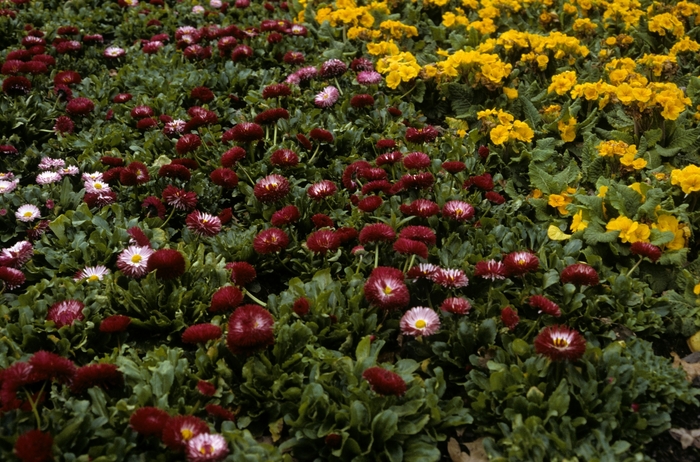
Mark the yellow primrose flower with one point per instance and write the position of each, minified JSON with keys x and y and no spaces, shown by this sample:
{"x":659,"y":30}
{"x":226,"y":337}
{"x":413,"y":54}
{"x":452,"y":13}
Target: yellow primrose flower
{"x":567,"y":130}
{"x":578,"y":223}
{"x":522,"y":131}
{"x":688,"y":178}
{"x":559,"y":202}
{"x":500,"y":134}
{"x":562,"y":83}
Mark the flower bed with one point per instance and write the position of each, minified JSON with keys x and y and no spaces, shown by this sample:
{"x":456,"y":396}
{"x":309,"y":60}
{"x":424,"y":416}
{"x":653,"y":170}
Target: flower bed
{"x":310,"y":231}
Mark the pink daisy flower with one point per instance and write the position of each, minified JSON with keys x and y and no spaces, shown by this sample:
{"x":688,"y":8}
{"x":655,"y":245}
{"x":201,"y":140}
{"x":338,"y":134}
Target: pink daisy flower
{"x":420,"y":321}
{"x":328,"y":97}
{"x":133,"y":261}
{"x":203,"y":224}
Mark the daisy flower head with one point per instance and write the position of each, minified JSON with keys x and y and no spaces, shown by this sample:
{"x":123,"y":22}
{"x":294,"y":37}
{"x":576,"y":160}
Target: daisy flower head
{"x":579,"y":274}
{"x":27,"y":213}
{"x":456,"y":305}
{"x":149,"y":421}
{"x":201,"y":333}
{"x":385,"y":289}
{"x":327,"y":97}
{"x":133,"y":261}
{"x":114,"y":324}
{"x":179,"y":430}
{"x":645,"y":249}
{"x":271,"y":188}
{"x":450,"y":278}
{"x":544,"y":305}
{"x":490,"y":269}
{"x":48,"y":178}
{"x":92,"y":273}
{"x":179,"y":198}
{"x":250,"y":328}
{"x":270,"y":241}
{"x":242,"y":272}
{"x":420,"y":321}
{"x":114,"y":52}
{"x":225,"y":299}
{"x":34,"y":446}
{"x":458,"y":210}
{"x":96,"y":186}
{"x":377,"y":232}
{"x":509,"y":317}
{"x":203,"y":224}
{"x":323,"y":241}
{"x":11,"y":278}
{"x":65,"y":313}
{"x":384,"y":382}
{"x":207,"y":447}
{"x":7,"y":186}
{"x":17,"y":255}
{"x":560,"y":343}
{"x":521,"y":262}
{"x":167,"y":263}
{"x":422,"y":271}
{"x":321,"y":190}
{"x":369,"y":77}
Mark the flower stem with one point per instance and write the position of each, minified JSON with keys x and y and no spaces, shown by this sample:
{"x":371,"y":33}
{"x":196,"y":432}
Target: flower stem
{"x":376,"y":255}
{"x":634,"y":267}
{"x":315,"y":152}
{"x":254,"y":298}
{"x":33,"y":404}
{"x":409,"y":265}
{"x":168,"y":219}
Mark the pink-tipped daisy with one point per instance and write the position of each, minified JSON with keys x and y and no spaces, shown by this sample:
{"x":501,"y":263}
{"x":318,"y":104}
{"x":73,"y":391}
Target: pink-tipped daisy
{"x":27,"y":213}
{"x":133,"y":261}
{"x":420,"y":321}
{"x":327,"y":97}
{"x":92,"y":273}
{"x":560,"y":343}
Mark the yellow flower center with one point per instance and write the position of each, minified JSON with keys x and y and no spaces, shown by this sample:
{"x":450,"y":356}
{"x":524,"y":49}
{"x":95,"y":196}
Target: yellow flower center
{"x":560,"y":342}
{"x":206,"y":449}
{"x":98,"y":186}
{"x":94,"y":277}
{"x":420,"y":324}
{"x":387,"y":290}
{"x":27,"y":214}
{"x":186,"y":434}
{"x":136,"y":258}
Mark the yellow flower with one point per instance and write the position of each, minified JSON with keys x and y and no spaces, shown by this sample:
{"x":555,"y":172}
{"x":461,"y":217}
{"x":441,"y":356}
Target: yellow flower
{"x":511,"y":93}
{"x":522,"y":131}
{"x":669,"y":223}
{"x":536,"y":194}
{"x":567,"y":129}
{"x":578,"y":223}
{"x":562,"y":83}
{"x":630,"y":231}
{"x":500,"y":134}
{"x":696,"y":289}
{"x":602,"y":191}
{"x":688,"y":178}
{"x":559,"y":202}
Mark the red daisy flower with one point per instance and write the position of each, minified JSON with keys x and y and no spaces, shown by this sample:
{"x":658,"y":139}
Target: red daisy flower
{"x":224,"y":177}
{"x":11,"y":278}
{"x":423,"y":208}
{"x":34,"y":446}
{"x":140,"y":170}
{"x":231,"y":157}
{"x":203,"y":224}
{"x":450,"y":278}
{"x":370,"y":204}
{"x":411,"y":247}
{"x":174,"y":171}
{"x":422,"y":180}
{"x":167,"y":263}
{"x":385,"y":289}
{"x":384,"y":382}
{"x":458,"y":210}
{"x":220,"y":412}
{"x":188,"y":143}
{"x":16,"y":85}
{"x":114,"y":324}
{"x":246,"y":132}
{"x":276,"y":90}
{"x":64,"y":125}
{"x":416,"y":161}
{"x":270,"y":116}
{"x":301,"y":306}
{"x":456,"y":305}
{"x":202,"y":94}
{"x":579,"y":274}
{"x":304,"y":141}
{"x":154,"y":207}
{"x":271,"y":188}
{"x":545,"y":305}
{"x":321,"y":135}
{"x":105,"y":376}
{"x":376,"y":186}
{"x":321,"y":190}
{"x":321,"y":220}
{"x":483,"y":182}
{"x":422,"y":271}
{"x":509,"y":317}
{"x":50,"y":366}
{"x":646,"y":249}
{"x":250,"y":328}
{"x":386,"y":144}
{"x":284,"y":158}
{"x":179,"y":198}
{"x":270,"y":241}
{"x":490,"y":269}
{"x":65,"y":313}
{"x":454,"y":166}
{"x":149,"y":421}
{"x":362,"y":100}
{"x":225,"y":299}
{"x":201,"y":333}
{"x":80,"y":106}
{"x":560,"y":343}
{"x":121,"y":98}
{"x":141,"y":112}
{"x":333,"y":68}
{"x":351,"y":171}
{"x":285,"y":215}
{"x":346,"y":234}
{"x":389,"y":158}
{"x":180,"y":429}
{"x":241,"y":52}
{"x":242,"y":273}
{"x":323,"y":241}
{"x":519,"y":263}
{"x":377,"y":232}
{"x":419,"y":233}
{"x":494,"y":197}
{"x":293,"y":57}
{"x":206,"y":388}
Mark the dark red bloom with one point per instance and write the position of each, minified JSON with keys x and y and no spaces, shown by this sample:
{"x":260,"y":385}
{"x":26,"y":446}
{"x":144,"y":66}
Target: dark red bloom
{"x":250,"y":328}
{"x":385,"y":289}
{"x":224,"y":177}
{"x":80,"y":106}
{"x":509,"y":318}
{"x":333,"y":68}
{"x":321,"y":190}
{"x":321,"y":135}
{"x":11,"y":278}
{"x":346,"y":234}
{"x":34,"y":446}
{"x":285,"y":216}
{"x":114,"y":324}
{"x":99,"y":200}
{"x":65,"y":313}
{"x":241,"y":52}
{"x":560,"y":343}
{"x":284,"y":158}
{"x":293,"y":57}
{"x":140,"y":170}
{"x":362,"y":100}
{"x":301,"y":306}
{"x":416,"y":161}
{"x":370,"y":204}
{"x":271,"y":188}
{"x":112,"y":161}
{"x":232,"y":156}
{"x":361,"y":64}
{"x":220,"y":412}
{"x":246,"y":132}
{"x":494,"y":197}
{"x":276,"y":90}
{"x":225,"y":299}
{"x":141,"y":112}
{"x":12,"y":67}
{"x":167,"y":263}
{"x":122,"y":98}
{"x":579,"y":274}
{"x":519,"y":263}
{"x":483,"y":152}
{"x":242,"y":273}
{"x":179,"y":198}
{"x":16,"y":85}
{"x":483,"y":182}
{"x":377,"y":232}
{"x":421,"y":135}
{"x":454,"y":166}
{"x":149,"y":421}
{"x":201,"y":333}
{"x":197,"y":52}
{"x":225,"y":215}
{"x":153,"y":207}
{"x":50,"y":366}
{"x":178,"y":430}
{"x":304,"y":141}
{"x":105,"y":376}
{"x":646,"y":249}
{"x":202,"y":94}
{"x":323,"y":241}
{"x":423,"y":208}
{"x":490,"y":269}
{"x":456,"y":305}
{"x":188,"y":143}
{"x":351,"y":171}
{"x":321,"y":220}
{"x":270,"y":241}
{"x":206,"y":388}
{"x":175,"y":171}
{"x":270,"y":116}
{"x":419,"y":233}
{"x":384,"y":382}
{"x":545,"y":305}
{"x":411,"y":247}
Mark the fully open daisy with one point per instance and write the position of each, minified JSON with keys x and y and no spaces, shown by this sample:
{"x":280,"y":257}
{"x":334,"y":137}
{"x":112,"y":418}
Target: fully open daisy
{"x":133,"y":261}
{"x":420,"y":321}
{"x":92,"y":273}
{"x":27,"y":213}
{"x":560,"y":343}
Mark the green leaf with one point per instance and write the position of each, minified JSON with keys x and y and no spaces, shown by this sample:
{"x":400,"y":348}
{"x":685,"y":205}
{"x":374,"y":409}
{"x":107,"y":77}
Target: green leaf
{"x":486,"y":334}
{"x":559,"y":401}
{"x":384,"y":425}
{"x":419,"y":451}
